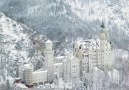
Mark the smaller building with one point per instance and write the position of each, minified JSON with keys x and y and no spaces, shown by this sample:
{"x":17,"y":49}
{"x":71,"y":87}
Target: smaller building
{"x":28,"y":75}
{"x":58,"y":68}
{"x":39,"y":77}
{"x":73,"y":68}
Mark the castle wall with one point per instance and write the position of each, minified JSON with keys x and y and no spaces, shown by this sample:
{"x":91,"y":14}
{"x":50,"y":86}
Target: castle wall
{"x":39,"y":77}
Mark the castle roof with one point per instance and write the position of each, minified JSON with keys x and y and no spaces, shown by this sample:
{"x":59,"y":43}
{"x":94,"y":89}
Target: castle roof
{"x":40,"y":71}
{"x":102,"y":25}
{"x":59,"y":57}
{"x":48,"y":42}
{"x":91,"y":44}
{"x":27,"y":66}
{"x":57,"y":64}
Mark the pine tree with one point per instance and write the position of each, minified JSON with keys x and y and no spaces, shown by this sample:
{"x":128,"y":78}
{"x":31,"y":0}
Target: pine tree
{"x":7,"y":84}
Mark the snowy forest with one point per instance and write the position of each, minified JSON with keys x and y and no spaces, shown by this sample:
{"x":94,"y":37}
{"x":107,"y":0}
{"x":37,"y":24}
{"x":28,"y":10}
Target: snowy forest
{"x":26,"y":24}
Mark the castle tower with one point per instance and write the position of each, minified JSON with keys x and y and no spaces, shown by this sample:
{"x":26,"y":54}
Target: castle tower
{"x":76,"y":49}
{"x":103,"y":36}
{"x":28,"y":75}
{"x":104,"y":54}
{"x":49,"y":60}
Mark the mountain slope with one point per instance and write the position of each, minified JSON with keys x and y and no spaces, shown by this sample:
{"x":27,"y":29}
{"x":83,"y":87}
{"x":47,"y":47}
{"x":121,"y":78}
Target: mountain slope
{"x":15,"y":37}
{"x":16,"y":46}
{"x":78,"y":17}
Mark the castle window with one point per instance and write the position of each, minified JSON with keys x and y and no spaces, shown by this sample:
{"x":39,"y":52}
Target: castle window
{"x":80,"y":47}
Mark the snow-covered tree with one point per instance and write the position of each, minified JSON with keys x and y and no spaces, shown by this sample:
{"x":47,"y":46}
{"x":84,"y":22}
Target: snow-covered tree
{"x":7,"y":84}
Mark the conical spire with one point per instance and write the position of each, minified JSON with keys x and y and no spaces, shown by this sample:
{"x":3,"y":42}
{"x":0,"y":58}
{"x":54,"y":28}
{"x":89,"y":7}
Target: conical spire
{"x":102,"y":25}
{"x":103,"y":33}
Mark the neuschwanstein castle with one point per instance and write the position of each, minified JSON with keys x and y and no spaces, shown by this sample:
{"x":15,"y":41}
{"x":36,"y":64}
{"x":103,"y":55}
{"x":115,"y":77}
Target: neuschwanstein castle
{"x":88,"y":62}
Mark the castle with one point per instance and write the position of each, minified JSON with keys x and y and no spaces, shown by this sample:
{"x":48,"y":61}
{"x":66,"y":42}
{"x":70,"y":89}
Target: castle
{"x":89,"y":61}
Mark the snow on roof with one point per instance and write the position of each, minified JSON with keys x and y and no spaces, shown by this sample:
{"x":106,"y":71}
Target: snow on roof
{"x":41,"y":69}
{"x":27,"y":66}
{"x":56,"y":64}
{"x":36,"y":72}
{"x":96,"y":69}
{"x":48,"y":42}
{"x":59,"y":57}
{"x":91,"y":44}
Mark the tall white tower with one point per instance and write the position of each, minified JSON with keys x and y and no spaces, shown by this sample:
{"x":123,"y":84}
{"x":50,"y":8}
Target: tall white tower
{"x":104,"y":54}
{"x":49,"y":60}
{"x":28,"y":75}
{"x":103,"y":37}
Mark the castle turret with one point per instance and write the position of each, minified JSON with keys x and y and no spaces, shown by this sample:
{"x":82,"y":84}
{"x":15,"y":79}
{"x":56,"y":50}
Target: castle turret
{"x":104,"y":55}
{"x":28,"y":75}
{"x":103,"y":36}
{"x":48,"y":45}
{"x":49,"y":60}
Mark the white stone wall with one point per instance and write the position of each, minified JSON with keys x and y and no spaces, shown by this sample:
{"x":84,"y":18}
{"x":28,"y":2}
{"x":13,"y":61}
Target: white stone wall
{"x":39,"y":77}
{"x":58,"y":68}
{"x":49,"y":60}
{"x":75,"y":69}
{"x":105,"y":56}
{"x":65,"y":70}
{"x":89,"y":60}
{"x":28,"y":75}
